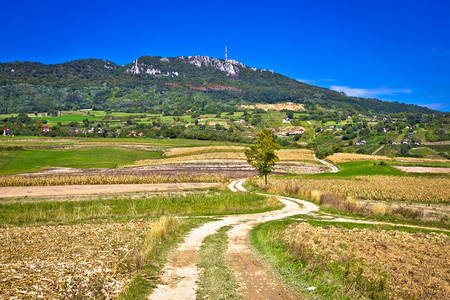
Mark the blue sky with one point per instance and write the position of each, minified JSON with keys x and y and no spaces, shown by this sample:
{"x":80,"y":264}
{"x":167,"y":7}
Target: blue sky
{"x":387,"y":49}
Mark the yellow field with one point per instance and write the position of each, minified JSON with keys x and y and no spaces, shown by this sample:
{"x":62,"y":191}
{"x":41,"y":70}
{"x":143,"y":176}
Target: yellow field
{"x":346,"y":157}
{"x":284,"y":155}
{"x":192,"y":150}
{"x":406,"y":266}
{"x":106,"y":179}
{"x":296,"y":155}
{"x":383,"y":188}
{"x":276,"y":107}
{"x":415,"y":159}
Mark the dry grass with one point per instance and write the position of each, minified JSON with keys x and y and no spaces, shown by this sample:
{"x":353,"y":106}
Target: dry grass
{"x":383,"y":188}
{"x":415,"y":159}
{"x":192,"y":150}
{"x":84,"y":260}
{"x":373,"y":263}
{"x":296,"y":155}
{"x":346,"y":157}
{"x":276,"y":107}
{"x":106,"y":179}
{"x":209,"y":154}
{"x":154,"y":237}
{"x":380,"y":209}
{"x":190,"y":158}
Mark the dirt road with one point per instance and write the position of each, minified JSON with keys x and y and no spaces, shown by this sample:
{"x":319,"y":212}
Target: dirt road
{"x":181,"y":272}
{"x":64,"y":190}
{"x":334,"y":169}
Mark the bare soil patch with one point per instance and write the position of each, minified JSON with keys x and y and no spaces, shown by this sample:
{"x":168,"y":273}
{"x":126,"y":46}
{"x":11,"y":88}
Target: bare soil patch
{"x":55,"y":262}
{"x":40,"y":191}
{"x":226,"y":167}
{"x":423,"y":169}
{"x":253,"y":279}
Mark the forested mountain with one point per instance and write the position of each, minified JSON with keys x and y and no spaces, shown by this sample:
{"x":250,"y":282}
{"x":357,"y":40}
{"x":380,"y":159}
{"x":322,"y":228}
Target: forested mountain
{"x":165,"y":85}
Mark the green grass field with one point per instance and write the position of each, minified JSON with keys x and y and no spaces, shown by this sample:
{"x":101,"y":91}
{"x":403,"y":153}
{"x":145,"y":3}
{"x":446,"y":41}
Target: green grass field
{"x":361,"y":168}
{"x":13,"y":162}
{"x":42,"y":141}
{"x":199,"y":203}
{"x":66,"y":118}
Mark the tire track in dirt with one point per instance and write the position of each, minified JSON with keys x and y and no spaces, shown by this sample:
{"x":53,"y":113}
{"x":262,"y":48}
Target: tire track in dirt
{"x":253,"y":279}
{"x":181,"y":273}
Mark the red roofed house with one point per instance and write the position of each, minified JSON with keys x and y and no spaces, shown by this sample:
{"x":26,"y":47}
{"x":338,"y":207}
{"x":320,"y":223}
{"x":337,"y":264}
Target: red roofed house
{"x":6,"y":131}
{"x":296,"y":131}
{"x":45,"y":128}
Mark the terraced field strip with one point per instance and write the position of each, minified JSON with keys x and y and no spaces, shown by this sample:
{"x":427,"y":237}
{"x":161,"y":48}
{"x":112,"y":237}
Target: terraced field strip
{"x":40,"y":191}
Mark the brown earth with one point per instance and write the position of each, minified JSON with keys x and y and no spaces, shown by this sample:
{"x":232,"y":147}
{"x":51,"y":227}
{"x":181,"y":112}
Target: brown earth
{"x":423,"y":169}
{"x":228,"y":168}
{"x":40,"y":191}
{"x":253,"y":279}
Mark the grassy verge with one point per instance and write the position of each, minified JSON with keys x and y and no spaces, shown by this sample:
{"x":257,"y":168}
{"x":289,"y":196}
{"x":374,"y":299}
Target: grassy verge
{"x":158,"y":243}
{"x":217,"y":281}
{"x":211,"y":202}
{"x":266,"y":240}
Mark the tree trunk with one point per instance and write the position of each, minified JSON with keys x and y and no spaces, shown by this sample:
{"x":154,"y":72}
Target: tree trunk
{"x":265,"y":176}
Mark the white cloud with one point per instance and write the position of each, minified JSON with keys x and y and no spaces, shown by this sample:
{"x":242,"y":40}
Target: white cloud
{"x":315,"y":81}
{"x":369,"y":93}
{"x":308,"y":81}
{"x":436,"y":105}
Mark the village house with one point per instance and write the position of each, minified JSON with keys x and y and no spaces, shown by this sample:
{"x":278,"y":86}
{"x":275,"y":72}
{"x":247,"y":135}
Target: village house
{"x":287,"y":120}
{"x":91,"y":130}
{"x":296,"y":131}
{"x":200,"y":119}
{"x":7,"y":131}
{"x":361,"y":143}
{"x":45,"y":128}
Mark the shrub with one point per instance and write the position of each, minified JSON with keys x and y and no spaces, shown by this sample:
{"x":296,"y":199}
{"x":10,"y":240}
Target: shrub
{"x":380,"y":209}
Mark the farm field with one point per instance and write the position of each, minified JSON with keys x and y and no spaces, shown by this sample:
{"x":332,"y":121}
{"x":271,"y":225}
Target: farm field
{"x":359,"y":261}
{"x":118,"y":243}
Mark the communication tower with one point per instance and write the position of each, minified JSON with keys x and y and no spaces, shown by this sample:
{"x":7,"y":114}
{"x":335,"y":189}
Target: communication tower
{"x":226,"y":54}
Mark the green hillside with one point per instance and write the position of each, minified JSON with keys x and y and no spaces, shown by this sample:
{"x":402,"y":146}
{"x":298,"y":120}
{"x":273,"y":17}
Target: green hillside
{"x":171,"y":86}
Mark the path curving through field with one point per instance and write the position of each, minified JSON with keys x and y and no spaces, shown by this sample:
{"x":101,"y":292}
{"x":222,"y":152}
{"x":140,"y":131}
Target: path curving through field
{"x":181,"y":273}
{"x":334,"y":169}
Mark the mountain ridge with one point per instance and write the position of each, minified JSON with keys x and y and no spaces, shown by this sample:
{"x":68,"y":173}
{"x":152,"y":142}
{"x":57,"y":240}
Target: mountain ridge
{"x":150,"y":83}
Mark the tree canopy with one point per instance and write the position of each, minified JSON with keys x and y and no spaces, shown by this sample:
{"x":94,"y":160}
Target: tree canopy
{"x":261,"y":155}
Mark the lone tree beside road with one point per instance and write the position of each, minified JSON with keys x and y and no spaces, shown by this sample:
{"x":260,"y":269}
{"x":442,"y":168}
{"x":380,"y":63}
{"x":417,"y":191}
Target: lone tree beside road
{"x":261,"y":155}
